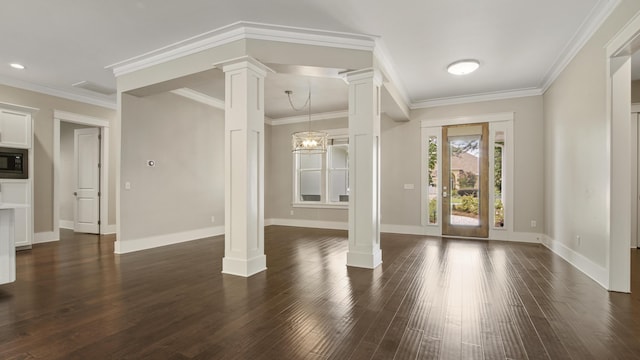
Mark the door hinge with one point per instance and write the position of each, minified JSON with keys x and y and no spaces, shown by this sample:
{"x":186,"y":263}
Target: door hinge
{"x":98,"y":222}
{"x":99,"y":193}
{"x":99,"y":165}
{"x":99,"y":137}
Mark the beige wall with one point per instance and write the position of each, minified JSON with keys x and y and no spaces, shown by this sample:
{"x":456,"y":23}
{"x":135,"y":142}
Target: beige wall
{"x":279,"y":193}
{"x":577,"y":146}
{"x":67,"y":140}
{"x":635,"y":92}
{"x":186,"y":187}
{"x":43,"y":148}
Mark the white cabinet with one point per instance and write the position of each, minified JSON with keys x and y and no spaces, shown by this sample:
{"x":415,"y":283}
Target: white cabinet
{"x":19,"y":192}
{"x":15,"y":129}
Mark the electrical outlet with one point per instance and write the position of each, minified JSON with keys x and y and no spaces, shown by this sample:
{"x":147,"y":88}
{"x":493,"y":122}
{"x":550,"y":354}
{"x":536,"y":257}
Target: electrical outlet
{"x":213,"y":219}
{"x":534,"y":223}
{"x":127,"y":185}
{"x":578,"y":240}
{"x":291,"y":212}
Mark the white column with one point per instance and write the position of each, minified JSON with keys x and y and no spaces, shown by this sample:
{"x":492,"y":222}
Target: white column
{"x":244,"y":167}
{"x":364,"y":168}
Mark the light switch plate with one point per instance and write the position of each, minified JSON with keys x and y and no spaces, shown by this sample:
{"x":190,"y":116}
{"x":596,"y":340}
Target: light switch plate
{"x":409,"y":186}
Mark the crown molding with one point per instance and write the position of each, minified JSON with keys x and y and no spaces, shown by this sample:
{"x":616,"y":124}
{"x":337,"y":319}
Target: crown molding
{"x":592,"y":23}
{"x":199,"y":97}
{"x":314,"y":117}
{"x":244,"y":30}
{"x":388,"y":68}
{"x":457,"y":100}
{"x":24,"y":85}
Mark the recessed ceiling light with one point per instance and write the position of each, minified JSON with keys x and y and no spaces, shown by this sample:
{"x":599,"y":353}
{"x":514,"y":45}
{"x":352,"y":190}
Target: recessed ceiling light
{"x":17,"y":66}
{"x":463,"y":67}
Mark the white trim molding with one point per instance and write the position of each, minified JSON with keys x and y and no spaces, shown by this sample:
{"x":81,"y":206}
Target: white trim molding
{"x":597,"y":16}
{"x":108,"y":229}
{"x":45,"y":237}
{"x":314,"y":117}
{"x":473,"y":119}
{"x":66,"y":224}
{"x":314,"y":224}
{"x":524,"y":237}
{"x":103,"y":125}
{"x":596,"y":272}
{"x":244,"y":30}
{"x":106,"y":102}
{"x":127,"y":246}
{"x":199,"y":97}
{"x":465,"y":99}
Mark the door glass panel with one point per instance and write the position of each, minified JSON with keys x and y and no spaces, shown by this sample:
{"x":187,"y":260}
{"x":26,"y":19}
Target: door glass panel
{"x":464,"y":158}
{"x":433,"y":180}
{"x":498,"y":177}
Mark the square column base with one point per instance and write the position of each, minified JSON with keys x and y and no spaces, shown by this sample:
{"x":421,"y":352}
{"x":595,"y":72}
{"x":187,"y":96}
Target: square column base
{"x":364,"y":260}
{"x":244,"y":267}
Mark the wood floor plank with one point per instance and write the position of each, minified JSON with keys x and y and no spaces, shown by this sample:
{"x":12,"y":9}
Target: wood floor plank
{"x":432,"y":298}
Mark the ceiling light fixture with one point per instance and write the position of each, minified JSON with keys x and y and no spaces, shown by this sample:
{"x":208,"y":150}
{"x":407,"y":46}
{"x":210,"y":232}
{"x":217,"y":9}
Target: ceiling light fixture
{"x":17,"y":66}
{"x":463,"y":67}
{"x":307,"y":142}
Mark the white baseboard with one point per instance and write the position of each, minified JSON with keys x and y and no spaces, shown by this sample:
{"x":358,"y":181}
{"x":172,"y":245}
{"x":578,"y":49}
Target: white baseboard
{"x":596,"y":272}
{"x":108,"y":229}
{"x":104,"y":229}
{"x":44,"y":237}
{"x":66,"y":224}
{"x":316,"y":224}
{"x":516,"y":236}
{"x":402,"y":229}
{"x":127,"y":246}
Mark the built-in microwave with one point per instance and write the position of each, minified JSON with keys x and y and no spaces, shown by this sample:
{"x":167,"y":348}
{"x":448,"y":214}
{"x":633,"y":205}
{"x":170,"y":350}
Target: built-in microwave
{"x":14,"y":163}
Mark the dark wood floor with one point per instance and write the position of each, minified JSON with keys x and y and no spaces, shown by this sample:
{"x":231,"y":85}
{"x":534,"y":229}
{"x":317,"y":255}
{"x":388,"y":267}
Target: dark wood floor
{"x":431,"y":298}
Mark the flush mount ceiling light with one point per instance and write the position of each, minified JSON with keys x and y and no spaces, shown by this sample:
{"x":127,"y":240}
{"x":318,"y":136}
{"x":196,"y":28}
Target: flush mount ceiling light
{"x":463,"y":67}
{"x":17,"y":66}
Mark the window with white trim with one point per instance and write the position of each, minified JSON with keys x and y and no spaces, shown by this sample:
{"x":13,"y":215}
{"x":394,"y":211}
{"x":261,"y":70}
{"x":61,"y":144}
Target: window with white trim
{"x":323,"y":179}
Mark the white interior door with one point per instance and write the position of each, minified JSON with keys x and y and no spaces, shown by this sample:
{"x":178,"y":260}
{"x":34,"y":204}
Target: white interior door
{"x":86,"y":159}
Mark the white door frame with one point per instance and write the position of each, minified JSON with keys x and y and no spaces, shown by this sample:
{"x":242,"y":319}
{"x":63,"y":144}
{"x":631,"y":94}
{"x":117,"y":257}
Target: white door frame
{"x":498,"y":121}
{"x":618,"y":102}
{"x":635,"y":204}
{"x":103,"y":125}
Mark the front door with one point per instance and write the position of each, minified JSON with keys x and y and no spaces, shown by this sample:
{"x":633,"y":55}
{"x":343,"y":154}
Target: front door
{"x":86,"y":155}
{"x":465,"y":190}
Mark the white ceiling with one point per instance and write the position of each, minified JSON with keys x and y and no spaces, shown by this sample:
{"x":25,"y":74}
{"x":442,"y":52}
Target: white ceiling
{"x":520,"y":44}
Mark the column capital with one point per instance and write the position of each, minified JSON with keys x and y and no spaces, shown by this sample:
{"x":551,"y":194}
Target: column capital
{"x":242,"y":63}
{"x":360,"y":74}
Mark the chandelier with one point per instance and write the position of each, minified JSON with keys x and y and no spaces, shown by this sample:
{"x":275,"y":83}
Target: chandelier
{"x":307,"y":142}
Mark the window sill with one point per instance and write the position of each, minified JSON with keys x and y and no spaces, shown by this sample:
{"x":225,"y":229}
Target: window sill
{"x":319,"y":205}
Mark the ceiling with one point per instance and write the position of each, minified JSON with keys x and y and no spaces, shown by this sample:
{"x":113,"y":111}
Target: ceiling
{"x":520,"y":44}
